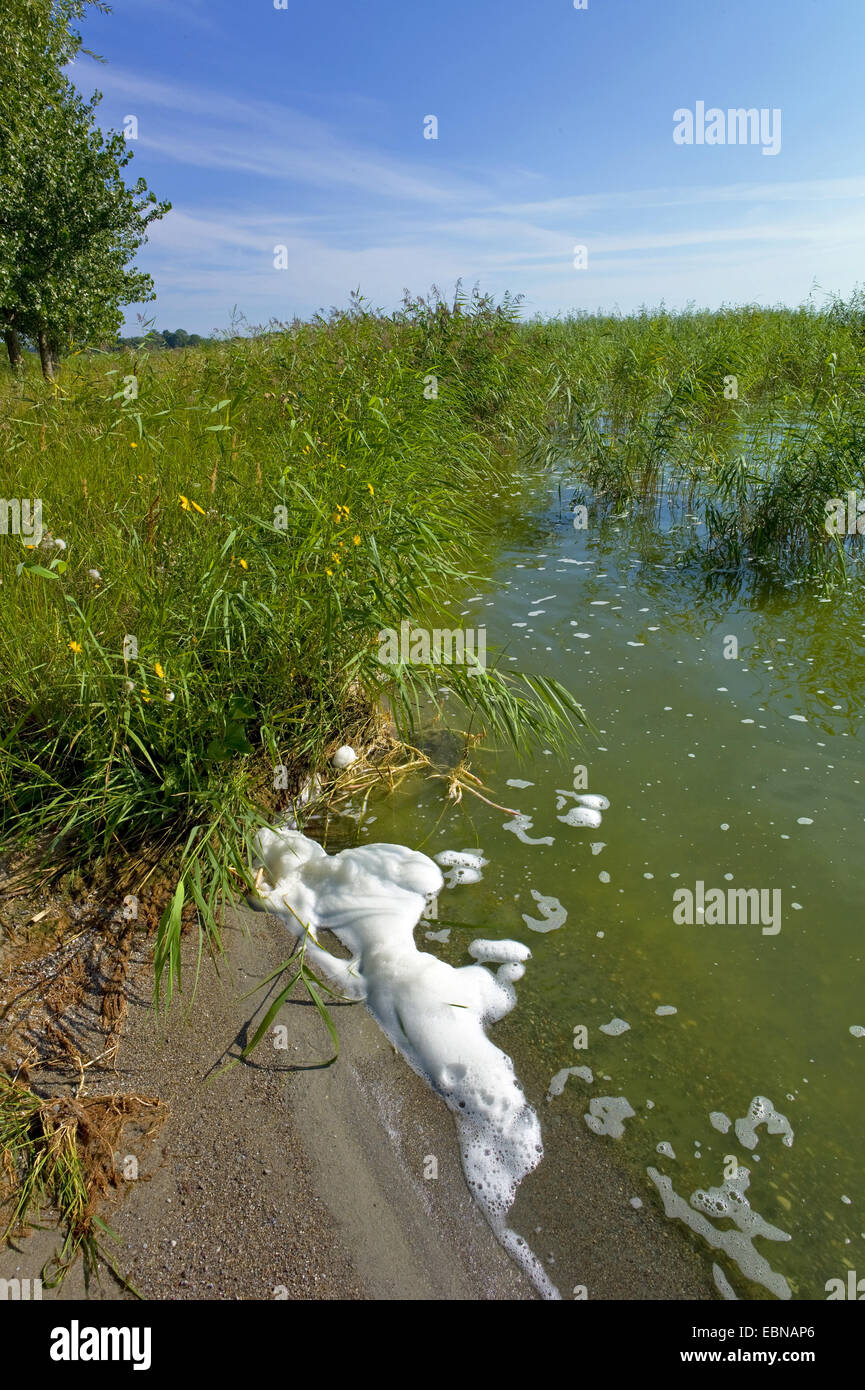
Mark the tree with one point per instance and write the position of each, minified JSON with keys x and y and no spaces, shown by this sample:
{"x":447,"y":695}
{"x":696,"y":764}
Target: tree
{"x":69,"y":225}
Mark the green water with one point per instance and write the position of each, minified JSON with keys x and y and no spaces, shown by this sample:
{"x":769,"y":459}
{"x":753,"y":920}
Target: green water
{"x":708,"y":777}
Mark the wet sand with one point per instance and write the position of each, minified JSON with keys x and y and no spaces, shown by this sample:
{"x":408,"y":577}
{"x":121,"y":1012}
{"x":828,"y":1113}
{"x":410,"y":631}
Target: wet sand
{"x":282,"y":1179}
{"x":275,"y":1180}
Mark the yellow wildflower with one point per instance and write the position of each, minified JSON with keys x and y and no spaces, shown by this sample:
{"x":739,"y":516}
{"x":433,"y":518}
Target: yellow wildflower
{"x":75,"y":647}
{"x":371,"y":489}
{"x":356,"y":540}
{"x":159,"y":671}
{"x":244,"y":565}
{"x":184,"y":502}
{"x":132,"y":445}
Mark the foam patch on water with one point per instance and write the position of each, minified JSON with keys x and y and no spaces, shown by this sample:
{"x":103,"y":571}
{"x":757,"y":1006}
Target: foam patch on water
{"x":761,"y":1111}
{"x":559,"y":1081}
{"x":519,"y":824}
{"x":586,"y":811}
{"x":464,"y":866}
{"x":723,"y":1285}
{"x":607,"y":1115}
{"x":719,"y":1121}
{"x":581,"y":815}
{"x":615,"y":1027}
{"x":371,"y":897}
{"x":727,"y":1201}
{"x":553,"y":915}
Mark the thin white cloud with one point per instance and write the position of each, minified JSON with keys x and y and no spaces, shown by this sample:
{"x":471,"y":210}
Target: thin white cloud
{"x":351,"y":213}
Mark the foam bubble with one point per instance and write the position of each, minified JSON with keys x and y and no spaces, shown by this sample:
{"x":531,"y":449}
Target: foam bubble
{"x":464,"y":865}
{"x":615,"y":1027}
{"x":553,"y":915}
{"x":607,"y":1115}
{"x":728,"y":1200}
{"x":557,"y":1084}
{"x":723,"y":1285}
{"x":519,"y":824}
{"x":718,"y":1120}
{"x":762,"y":1111}
{"x":581,"y":815}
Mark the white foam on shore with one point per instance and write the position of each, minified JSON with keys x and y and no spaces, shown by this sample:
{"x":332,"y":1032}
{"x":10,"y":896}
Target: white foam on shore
{"x":371,"y":897}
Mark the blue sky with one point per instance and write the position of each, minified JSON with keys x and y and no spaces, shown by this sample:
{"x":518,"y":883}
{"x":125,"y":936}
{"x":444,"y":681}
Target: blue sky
{"x":303,"y":127}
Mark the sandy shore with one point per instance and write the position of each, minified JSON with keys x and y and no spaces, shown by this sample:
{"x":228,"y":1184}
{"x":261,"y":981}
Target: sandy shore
{"x":283,"y":1179}
{"x":274,"y":1179}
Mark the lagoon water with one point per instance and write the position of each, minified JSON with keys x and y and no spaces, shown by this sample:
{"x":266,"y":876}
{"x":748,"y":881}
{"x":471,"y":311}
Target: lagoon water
{"x":721,"y":1063}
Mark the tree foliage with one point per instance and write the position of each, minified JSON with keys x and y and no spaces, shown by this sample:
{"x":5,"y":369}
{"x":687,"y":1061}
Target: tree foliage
{"x":70,"y":226}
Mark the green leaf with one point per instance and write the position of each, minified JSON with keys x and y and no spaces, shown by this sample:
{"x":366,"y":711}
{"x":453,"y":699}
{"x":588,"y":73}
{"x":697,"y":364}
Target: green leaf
{"x":41,"y":571}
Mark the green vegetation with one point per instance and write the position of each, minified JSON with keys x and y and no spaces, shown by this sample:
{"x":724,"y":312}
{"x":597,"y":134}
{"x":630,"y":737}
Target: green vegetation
{"x":228,"y":527}
{"x":153,"y":340}
{"x":59,"y":1154}
{"x":227,"y":530}
{"x":732,"y":430}
{"x":70,"y":225}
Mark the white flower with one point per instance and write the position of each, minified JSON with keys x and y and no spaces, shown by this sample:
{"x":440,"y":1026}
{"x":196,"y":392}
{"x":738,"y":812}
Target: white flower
{"x":59,"y":544}
{"x":93,"y":574}
{"x":169,"y":696}
{"x":128,"y":687}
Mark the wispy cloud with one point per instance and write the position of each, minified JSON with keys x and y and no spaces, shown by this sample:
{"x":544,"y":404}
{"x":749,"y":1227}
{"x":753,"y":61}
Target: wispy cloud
{"x":349,"y":213}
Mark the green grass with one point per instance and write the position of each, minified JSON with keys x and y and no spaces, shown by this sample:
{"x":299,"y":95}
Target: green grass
{"x":648,"y":413}
{"x":254,"y":513}
{"x":258,"y":510}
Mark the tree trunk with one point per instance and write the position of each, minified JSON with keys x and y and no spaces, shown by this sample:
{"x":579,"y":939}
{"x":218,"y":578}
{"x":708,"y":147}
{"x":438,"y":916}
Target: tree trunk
{"x":46,"y":357}
{"x":13,"y":347}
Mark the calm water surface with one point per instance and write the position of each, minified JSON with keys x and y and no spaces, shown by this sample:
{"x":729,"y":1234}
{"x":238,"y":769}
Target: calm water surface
{"x":742,"y":772}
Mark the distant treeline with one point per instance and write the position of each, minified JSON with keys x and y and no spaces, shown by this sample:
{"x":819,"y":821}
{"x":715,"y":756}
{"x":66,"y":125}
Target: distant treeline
{"x":154,"y":339}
